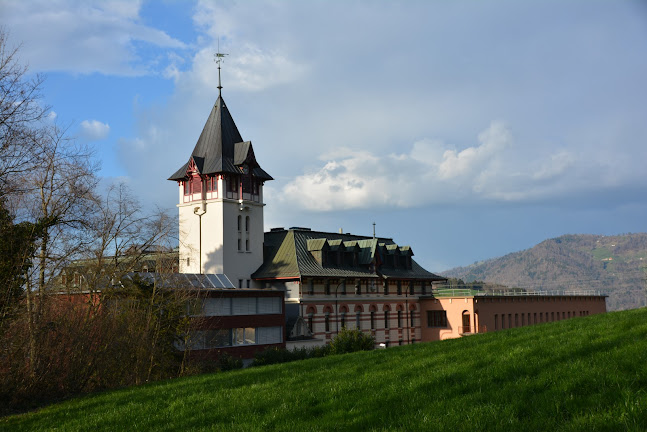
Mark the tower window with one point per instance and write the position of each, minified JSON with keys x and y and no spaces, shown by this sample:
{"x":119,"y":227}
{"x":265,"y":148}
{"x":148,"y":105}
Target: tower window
{"x":187,"y":188}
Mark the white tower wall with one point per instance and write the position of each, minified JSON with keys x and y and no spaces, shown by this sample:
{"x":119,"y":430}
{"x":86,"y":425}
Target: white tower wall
{"x":220,"y":250}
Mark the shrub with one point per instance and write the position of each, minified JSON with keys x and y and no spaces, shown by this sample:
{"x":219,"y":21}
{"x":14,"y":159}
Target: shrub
{"x":348,"y":341}
{"x":226,"y":362}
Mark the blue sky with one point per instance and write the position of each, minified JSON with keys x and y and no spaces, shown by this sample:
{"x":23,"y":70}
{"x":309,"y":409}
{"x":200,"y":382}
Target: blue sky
{"x":465,"y":129}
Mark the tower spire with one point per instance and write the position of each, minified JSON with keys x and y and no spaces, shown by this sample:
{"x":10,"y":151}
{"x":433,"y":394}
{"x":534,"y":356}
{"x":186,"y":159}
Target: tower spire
{"x":218,"y":58}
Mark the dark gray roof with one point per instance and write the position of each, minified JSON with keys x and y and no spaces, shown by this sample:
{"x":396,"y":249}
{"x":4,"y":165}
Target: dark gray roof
{"x":185,"y":280}
{"x":221,"y":149}
{"x":289,"y":255}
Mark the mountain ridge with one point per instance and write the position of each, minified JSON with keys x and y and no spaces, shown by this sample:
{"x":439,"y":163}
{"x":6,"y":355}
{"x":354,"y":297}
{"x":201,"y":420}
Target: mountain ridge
{"x":616,"y":265}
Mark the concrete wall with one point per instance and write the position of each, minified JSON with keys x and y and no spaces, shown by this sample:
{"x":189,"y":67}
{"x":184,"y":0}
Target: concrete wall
{"x":492,"y":313}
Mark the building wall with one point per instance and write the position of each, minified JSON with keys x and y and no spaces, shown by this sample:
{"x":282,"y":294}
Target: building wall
{"x":492,"y":313}
{"x":313,"y":304}
{"x":220,"y":251}
{"x":497,"y":313}
{"x":240,"y":321}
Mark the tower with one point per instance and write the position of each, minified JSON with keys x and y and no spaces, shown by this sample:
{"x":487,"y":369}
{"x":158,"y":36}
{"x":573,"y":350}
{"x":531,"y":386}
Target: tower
{"x":221,"y":202}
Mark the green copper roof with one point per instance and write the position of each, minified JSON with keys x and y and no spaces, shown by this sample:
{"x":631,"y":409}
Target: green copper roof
{"x":288,"y":254}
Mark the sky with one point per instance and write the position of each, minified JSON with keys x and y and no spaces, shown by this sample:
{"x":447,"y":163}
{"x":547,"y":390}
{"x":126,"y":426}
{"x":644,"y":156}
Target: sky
{"x":465,"y":129}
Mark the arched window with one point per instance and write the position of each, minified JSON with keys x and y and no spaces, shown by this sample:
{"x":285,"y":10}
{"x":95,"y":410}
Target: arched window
{"x":343,"y":319}
{"x":358,"y":320}
{"x":311,"y":322}
{"x":399,"y":319}
{"x":327,"y":322}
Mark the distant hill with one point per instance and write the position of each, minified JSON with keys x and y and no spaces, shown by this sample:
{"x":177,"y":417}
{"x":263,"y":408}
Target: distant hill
{"x":616,"y":265}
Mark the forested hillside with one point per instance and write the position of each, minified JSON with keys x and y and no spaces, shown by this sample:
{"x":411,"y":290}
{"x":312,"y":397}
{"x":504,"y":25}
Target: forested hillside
{"x":616,"y":265}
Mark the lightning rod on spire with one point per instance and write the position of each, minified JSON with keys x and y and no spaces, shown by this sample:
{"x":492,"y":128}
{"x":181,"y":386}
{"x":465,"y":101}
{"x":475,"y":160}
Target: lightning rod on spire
{"x":219,"y":58}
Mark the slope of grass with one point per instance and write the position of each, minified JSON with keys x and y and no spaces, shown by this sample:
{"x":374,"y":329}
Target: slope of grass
{"x":580,"y":374}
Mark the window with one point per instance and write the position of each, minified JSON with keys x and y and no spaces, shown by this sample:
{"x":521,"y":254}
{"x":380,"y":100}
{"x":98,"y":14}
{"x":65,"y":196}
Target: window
{"x":244,"y":336}
{"x":311,"y":322}
{"x":496,"y":322}
{"x":327,"y":322}
{"x":358,"y":287}
{"x":269,"y":335}
{"x":343,"y":287}
{"x":196,"y":185}
{"x":411,"y":288}
{"x":423,"y":288}
{"x":187,"y":188}
{"x":516,"y":320}
{"x":327,"y":289}
{"x":249,"y":282}
{"x":232,"y":184}
{"x":240,"y":283}
{"x":311,"y":286}
{"x":343,"y":320}
{"x":269,"y":305}
{"x":411,"y":316}
{"x":386,"y":319}
{"x":399,"y":319}
{"x":247,"y":223}
{"x":386,"y":288}
{"x":437,"y":318}
{"x":372,"y":320}
{"x":358,"y":320}
{"x":247,"y":244}
{"x":399,"y":285}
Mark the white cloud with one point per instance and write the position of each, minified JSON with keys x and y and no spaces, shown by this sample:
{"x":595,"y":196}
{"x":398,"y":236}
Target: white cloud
{"x":94,"y":130}
{"x":86,"y":36}
{"x":432,"y":172}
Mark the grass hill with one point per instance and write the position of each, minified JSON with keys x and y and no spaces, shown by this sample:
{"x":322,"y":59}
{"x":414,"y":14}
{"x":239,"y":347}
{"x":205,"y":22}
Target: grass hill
{"x":616,"y":265}
{"x":577,"y":374}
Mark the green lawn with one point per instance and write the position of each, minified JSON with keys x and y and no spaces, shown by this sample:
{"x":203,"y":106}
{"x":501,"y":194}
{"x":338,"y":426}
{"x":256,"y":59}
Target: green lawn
{"x":583,"y":374}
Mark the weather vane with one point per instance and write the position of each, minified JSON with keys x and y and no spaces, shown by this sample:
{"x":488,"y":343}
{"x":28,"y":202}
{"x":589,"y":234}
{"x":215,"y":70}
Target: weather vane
{"x":218,"y":58}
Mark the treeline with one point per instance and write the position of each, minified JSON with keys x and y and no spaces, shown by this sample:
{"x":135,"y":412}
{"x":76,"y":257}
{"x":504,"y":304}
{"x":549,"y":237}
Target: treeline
{"x":65,"y":335}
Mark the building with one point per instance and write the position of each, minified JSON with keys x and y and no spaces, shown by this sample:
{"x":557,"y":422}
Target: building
{"x":329,"y":280}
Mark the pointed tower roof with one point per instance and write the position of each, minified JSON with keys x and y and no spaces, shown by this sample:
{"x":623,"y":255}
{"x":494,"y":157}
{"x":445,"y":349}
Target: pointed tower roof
{"x":221,"y":149}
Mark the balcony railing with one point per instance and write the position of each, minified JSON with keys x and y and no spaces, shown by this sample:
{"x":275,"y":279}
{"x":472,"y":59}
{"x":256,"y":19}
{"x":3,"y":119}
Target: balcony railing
{"x":466,"y":292}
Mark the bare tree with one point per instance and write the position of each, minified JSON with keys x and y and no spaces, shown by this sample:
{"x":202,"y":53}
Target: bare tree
{"x":20,"y":115}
